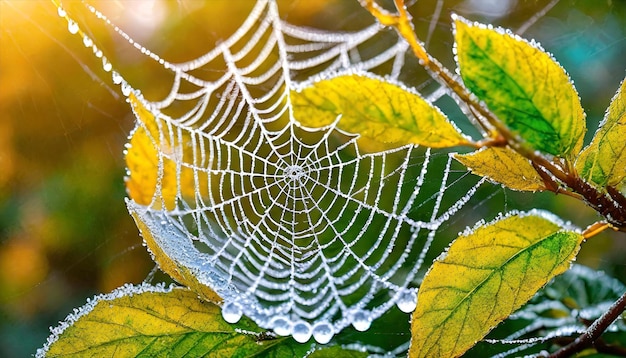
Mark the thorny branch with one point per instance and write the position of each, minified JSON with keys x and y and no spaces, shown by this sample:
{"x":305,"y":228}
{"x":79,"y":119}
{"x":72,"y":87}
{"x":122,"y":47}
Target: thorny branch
{"x":558,"y":173}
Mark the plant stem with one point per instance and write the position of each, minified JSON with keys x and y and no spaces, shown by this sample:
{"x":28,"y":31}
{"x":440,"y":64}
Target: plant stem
{"x":594,"y":332}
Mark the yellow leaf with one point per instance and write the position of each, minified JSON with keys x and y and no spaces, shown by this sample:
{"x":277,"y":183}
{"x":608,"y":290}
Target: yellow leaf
{"x":603,"y":162}
{"x":151,"y":321}
{"x":376,"y":109}
{"x":486,"y":275}
{"x":504,"y":166}
{"x":178,"y":272}
{"x":523,"y":86}
{"x":148,"y":152}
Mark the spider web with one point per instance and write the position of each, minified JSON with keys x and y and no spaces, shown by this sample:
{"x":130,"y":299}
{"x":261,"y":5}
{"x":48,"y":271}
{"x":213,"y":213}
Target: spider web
{"x":301,"y":229}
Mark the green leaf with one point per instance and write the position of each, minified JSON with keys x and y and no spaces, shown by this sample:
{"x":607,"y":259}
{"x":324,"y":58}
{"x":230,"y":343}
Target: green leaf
{"x":150,"y":321}
{"x":336,"y":351}
{"x":504,"y":166}
{"x":603,"y":162}
{"x":376,"y":109}
{"x":485,"y":276}
{"x":523,"y":86}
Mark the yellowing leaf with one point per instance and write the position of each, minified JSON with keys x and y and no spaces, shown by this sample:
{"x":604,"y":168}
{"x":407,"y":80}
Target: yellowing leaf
{"x":504,"y":166}
{"x":603,"y":162}
{"x":148,"y":150}
{"x":155,"y":322}
{"x":375,"y":109}
{"x":178,"y":272}
{"x":523,"y":86}
{"x":485,"y":276}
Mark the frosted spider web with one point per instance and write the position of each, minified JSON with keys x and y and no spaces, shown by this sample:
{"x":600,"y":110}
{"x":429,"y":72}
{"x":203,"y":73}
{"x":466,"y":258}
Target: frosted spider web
{"x":298,"y":228}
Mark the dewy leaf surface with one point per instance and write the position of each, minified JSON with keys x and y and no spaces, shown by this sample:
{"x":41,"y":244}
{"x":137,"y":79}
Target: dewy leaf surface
{"x":523,"y":86}
{"x":504,"y":166}
{"x":603,"y":162}
{"x":150,"y":321}
{"x":485,"y":276}
{"x":376,"y":109}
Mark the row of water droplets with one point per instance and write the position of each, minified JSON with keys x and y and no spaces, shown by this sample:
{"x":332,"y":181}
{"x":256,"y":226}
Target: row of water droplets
{"x":88,"y":42}
{"x":322,"y":331}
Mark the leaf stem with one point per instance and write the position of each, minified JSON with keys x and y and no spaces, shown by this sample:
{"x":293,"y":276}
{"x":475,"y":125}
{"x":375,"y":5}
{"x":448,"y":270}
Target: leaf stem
{"x":595,"y":228}
{"x":594,"y":332}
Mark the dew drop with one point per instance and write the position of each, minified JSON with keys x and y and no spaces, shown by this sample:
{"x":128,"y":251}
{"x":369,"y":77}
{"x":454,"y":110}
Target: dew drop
{"x":323,"y":332}
{"x":407,"y":301}
{"x":281,"y":326}
{"x":87,"y":41}
{"x":97,"y":52}
{"x":361,"y":321}
{"x":61,"y":12}
{"x":301,"y":332}
{"x":231,"y":312}
{"x":116,"y":77}
{"x":106,"y":65}
{"x":72,"y":27}
{"x":125,"y":89}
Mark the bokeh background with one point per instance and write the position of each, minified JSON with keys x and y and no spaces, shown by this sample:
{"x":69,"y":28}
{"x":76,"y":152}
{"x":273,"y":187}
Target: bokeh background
{"x":65,"y":234}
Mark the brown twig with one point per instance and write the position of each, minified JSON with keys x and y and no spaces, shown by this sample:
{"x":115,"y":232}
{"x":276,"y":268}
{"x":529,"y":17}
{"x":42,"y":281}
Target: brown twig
{"x":593,"y":333}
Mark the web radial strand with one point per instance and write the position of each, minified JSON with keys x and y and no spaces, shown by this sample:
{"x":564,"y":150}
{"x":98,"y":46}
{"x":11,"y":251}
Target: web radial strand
{"x":292,"y":226}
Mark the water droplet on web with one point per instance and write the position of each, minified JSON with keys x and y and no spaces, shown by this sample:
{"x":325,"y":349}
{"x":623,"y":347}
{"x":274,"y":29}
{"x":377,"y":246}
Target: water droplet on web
{"x":301,"y":332}
{"x":323,"y":332}
{"x":281,"y":326}
{"x":87,"y":41}
{"x":72,"y":27}
{"x":231,"y":312}
{"x":61,"y":12}
{"x":116,"y":77}
{"x":407,"y":301}
{"x":106,"y":65}
{"x":97,"y":52}
{"x":361,"y":321}
{"x":125,"y":89}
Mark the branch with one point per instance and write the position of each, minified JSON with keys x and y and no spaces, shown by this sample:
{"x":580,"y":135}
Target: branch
{"x":587,"y":339}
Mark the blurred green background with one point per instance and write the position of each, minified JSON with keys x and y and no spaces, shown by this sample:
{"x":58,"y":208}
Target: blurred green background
{"x":65,"y":234}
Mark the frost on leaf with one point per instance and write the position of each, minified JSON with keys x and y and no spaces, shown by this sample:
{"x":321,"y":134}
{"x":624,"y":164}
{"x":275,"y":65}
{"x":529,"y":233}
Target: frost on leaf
{"x":154,"y":321}
{"x":523,"y":86}
{"x":298,"y":228}
{"x":603,"y":161}
{"x":509,"y":259}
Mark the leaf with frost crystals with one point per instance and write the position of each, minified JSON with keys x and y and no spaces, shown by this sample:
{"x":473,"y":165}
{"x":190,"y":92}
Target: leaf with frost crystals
{"x":486,"y":275}
{"x":153,"y":321}
{"x":504,"y":166}
{"x":375,"y":109}
{"x":603,"y":162}
{"x":178,"y":272}
{"x":523,"y":86}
